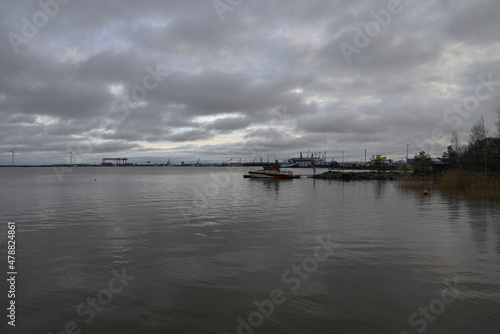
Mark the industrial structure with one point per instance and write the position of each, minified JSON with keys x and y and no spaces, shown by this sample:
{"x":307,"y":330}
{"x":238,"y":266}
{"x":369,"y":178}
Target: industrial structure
{"x":118,"y":162}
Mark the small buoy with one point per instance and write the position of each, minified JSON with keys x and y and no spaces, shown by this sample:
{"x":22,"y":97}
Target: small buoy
{"x":426,"y":192}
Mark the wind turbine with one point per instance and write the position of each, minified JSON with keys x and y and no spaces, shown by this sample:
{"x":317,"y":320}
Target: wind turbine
{"x":13,"y":154}
{"x":70,"y":157}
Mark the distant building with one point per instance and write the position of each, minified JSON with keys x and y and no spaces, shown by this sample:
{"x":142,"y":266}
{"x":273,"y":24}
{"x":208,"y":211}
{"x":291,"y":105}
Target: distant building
{"x":303,"y":162}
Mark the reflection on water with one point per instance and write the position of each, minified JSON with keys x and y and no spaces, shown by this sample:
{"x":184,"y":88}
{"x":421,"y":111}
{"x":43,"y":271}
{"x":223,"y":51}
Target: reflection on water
{"x":204,"y":254}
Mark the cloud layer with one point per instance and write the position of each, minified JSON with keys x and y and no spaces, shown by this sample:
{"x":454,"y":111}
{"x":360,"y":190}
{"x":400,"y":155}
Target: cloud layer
{"x":223,"y":79}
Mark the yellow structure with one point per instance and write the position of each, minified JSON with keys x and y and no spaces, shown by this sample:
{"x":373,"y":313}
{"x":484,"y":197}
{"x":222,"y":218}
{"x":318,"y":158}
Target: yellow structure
{"x":378,"y":158}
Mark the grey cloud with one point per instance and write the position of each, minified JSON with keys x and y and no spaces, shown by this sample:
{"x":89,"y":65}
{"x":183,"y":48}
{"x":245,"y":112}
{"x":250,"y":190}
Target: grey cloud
{"x":229,"y":124}
{"x":275,"y":68}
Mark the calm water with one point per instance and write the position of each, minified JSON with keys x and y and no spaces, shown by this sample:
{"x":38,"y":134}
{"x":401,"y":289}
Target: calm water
{"x":203,"y":250}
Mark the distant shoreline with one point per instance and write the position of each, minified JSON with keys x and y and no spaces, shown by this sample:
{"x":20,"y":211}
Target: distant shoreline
{"x":371,"y":175}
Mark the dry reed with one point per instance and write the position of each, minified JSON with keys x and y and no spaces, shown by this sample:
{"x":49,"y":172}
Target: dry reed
{"x":418,"y":182}
{"x":453,"y":182}
{"x":473,"y":185}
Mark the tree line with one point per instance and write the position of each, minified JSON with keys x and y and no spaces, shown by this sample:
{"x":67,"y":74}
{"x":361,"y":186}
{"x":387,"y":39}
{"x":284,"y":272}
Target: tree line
{"x":481,"y":153}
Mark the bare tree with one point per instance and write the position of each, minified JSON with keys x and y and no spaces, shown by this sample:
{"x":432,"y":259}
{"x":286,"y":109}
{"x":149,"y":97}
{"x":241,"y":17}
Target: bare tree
{"x":477,"y":133}
{"x":498,"y":122}
{"x":477,"y":142}
{"x":457,"y":148}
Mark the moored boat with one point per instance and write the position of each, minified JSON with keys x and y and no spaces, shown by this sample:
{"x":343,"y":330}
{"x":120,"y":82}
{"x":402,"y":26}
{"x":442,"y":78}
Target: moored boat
{"x":310,"y":161}
{"x":273,"y":172}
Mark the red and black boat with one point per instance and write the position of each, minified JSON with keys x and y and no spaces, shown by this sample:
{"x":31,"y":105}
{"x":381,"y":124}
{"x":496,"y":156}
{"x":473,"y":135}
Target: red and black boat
{"x":272,"y":172}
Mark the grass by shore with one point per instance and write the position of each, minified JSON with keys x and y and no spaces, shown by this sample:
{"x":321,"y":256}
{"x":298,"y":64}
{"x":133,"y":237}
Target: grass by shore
{"x":474,"y":185}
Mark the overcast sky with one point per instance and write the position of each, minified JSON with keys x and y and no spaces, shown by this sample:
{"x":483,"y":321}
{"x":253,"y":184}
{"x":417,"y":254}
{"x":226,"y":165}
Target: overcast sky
{"x":214,"y":80}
